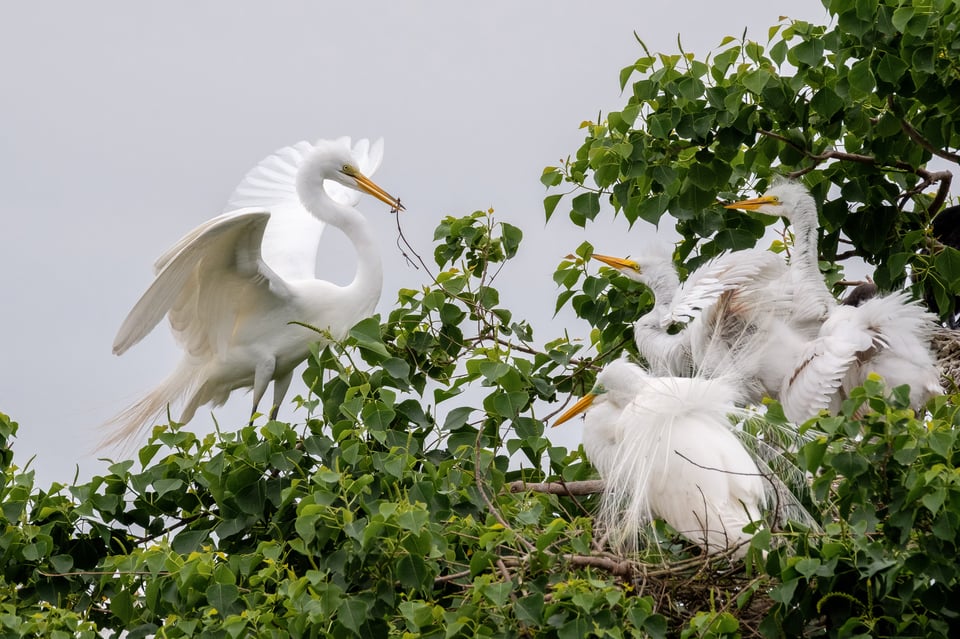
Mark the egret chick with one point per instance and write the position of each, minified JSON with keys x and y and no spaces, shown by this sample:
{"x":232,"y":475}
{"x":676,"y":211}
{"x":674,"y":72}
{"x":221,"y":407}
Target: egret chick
{"x":665,"y":449}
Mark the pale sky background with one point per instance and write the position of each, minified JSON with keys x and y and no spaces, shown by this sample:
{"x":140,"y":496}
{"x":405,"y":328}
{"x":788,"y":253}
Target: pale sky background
{"x":124,"y":125}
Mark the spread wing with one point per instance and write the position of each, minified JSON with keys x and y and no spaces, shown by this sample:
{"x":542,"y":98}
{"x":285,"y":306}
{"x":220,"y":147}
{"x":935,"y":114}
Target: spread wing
{"x":213,"y":272}
{"x":292,"y":239}
{"x":740,"y":272}
{"x":845,"y":340}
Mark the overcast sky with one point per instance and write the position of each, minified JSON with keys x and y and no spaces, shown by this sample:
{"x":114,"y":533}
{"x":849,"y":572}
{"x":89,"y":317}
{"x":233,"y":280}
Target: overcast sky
{"x":127,"y":124}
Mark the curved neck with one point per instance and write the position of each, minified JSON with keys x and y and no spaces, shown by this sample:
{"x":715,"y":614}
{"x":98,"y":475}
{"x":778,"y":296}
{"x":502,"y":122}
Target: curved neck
{"x":368,"y":279}
{"x":663,"y":281}
{"x":806,"y":252}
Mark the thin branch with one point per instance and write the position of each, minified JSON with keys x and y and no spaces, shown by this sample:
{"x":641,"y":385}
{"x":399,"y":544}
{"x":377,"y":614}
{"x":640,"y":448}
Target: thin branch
{"x":571,"y":488}
{"x":617,"y":568}
{"x":845,"y":255}
{"x":914,"y":135}
{"x":452,"y":577}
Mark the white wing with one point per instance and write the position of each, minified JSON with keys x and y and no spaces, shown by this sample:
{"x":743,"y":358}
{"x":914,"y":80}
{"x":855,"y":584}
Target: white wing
{"x":846,"y":340}
{"x":216,"y":269}
{"x":292,"y":239}
{"x":741,"y":272}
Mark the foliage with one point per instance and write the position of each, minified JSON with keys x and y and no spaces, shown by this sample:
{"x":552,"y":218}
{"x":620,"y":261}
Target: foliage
{"x":886,"y":564}
{"x":418,"y":494}
{"x":858,"y":110}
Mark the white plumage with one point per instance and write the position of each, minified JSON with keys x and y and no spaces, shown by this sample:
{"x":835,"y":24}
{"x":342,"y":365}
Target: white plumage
{"x":888,"y":335}
{"x":665,"y":449}
{"x":232,"y":286}
{"x":826,"y":349}
{"x":711,"y":324}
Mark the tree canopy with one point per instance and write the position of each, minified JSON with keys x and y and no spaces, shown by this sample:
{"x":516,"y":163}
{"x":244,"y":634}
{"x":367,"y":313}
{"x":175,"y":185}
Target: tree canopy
{"x":417,"y":494}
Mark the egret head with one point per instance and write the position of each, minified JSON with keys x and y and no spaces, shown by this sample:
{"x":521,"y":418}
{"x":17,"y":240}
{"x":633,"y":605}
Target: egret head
{"x":654,"y":268}
{"x":621,"y":378}
{"x":783,"y":199}
{"x":333,"y":160}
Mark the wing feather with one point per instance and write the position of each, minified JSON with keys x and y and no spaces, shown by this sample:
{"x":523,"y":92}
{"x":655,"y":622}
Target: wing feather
{"x":214,"y":260}
{"x":740,"y":271}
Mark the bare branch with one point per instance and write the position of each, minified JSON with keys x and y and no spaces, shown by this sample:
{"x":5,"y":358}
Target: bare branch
{"x":571,"y":488}
{"x":618,"y":568}
{"x":914,"y":135}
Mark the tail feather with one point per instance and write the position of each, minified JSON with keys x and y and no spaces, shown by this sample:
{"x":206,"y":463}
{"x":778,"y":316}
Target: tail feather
{"x":135,"y":419}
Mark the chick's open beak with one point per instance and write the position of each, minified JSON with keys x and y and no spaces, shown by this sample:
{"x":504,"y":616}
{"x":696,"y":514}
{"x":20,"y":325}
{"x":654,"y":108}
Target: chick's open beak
{"x":576,"y":409}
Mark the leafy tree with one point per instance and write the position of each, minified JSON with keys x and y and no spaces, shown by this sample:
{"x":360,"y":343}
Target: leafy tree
{"x":419,"y":495}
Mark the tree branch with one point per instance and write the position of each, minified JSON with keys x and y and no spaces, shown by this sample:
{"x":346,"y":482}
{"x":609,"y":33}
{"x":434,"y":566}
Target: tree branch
{"x":571,"y":488}
{"x":914,"y":135}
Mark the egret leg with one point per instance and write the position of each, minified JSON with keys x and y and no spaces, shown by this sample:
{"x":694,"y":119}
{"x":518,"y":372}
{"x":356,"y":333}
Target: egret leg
{"x":261,"y":379}
{"x":280,"y":387}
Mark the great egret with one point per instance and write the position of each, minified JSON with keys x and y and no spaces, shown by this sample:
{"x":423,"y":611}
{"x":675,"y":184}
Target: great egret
{"x":886,"y":335}
{"x":665,"y":449}
{"x":232,"y":286}
{"x":811,"y":299}
{"x":715,"y":309}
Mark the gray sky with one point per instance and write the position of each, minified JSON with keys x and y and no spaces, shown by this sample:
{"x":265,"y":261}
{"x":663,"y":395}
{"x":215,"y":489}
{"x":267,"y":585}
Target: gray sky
{"x":127,"y":124}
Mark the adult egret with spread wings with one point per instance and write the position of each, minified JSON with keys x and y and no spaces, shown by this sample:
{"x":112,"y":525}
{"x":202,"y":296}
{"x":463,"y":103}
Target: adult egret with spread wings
{"x":665,"y":449}
{"x":233,"y":287}
{"x":886,"y":335}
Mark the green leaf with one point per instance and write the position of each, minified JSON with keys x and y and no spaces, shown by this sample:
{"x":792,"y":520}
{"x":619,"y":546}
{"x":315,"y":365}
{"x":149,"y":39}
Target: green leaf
{"x":826,"y":102}
{"x":587,"y":205}
{"x":552,"y":176}
{"x":367,"y":335}
{"x":511,"y":239}
{"x":550,"y":204}
{"x":902,"y":16}
{"x":947,"y":263}
{"x":413,"y":573}
{"x":809,"y":52}
{"x":756,"y":80}
{"x":225,"y":598}
{"x":352,"y":613}
{"x":891,"y":68}
{"x":861,"y":79}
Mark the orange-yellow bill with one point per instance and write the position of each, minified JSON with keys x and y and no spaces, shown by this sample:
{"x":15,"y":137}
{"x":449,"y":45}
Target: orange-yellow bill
{"x":752,"y":204}
{"x":616,"y":262}
{"x":576,"y":409}
{"x":370,"y":187}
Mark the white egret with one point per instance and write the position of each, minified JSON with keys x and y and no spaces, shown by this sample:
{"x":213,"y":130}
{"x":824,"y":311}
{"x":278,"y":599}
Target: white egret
{"x":709,"y":324}
{"x":232,"y":286}
{"x":665,"y":449}
{"x":811,"y":299}
{"x":831,"y":348}
{"x":887,"y":335}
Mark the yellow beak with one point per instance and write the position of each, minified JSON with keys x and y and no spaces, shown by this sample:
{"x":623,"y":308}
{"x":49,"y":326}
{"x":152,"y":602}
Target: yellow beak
{"x":577,"y":408}
{"x":752,"y":204}
{"x":370,"y":187}
{"x":616,"y":262}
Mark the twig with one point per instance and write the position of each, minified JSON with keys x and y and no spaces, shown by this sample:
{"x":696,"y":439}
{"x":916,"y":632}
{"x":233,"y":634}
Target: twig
{"x":914,"y":135}
{"x":452,"y":577}
{"x":619,"y":568}
{"x":572,"y":488}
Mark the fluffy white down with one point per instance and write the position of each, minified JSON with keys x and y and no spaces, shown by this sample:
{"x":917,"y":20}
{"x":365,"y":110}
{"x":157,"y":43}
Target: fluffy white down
{"x":665,"y":449}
